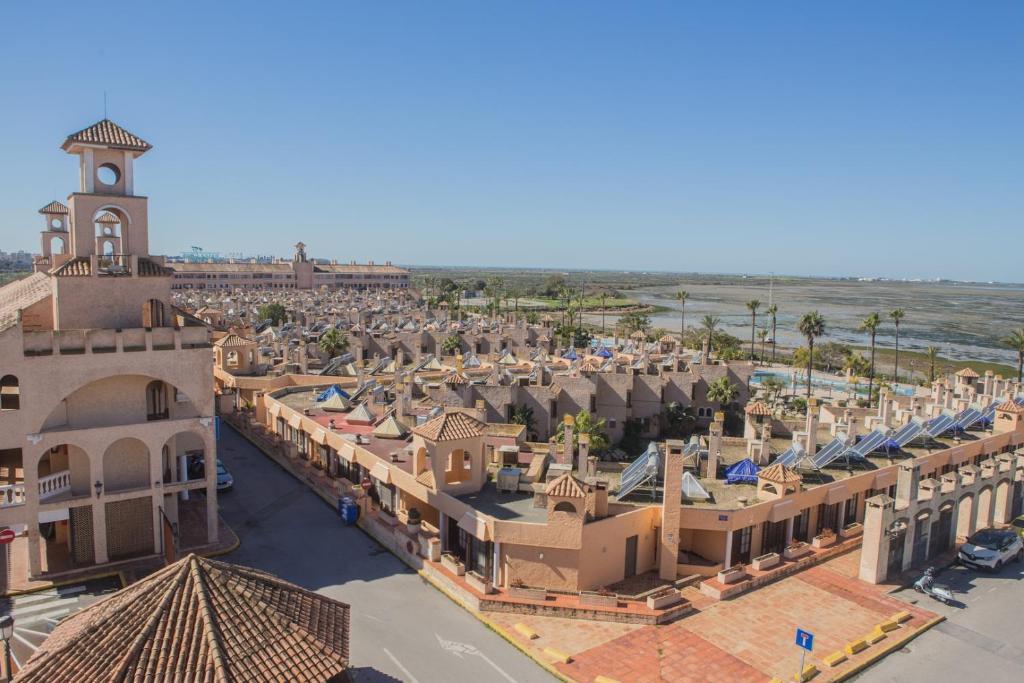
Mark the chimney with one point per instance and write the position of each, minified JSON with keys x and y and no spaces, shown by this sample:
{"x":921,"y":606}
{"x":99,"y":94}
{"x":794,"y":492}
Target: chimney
{"x":766,"y":447}
{"x":303,"y":359}
{"x":568,"y":424}
{"x":885,"y":408}
{"x":591,"y":467}
{"x":811,"y":447}
{"x":458,"y":363}
{"x":988,"y":382}
{"x":668,"y":539}
{"x":481,"y":410}
{"x":399,"y":398}
{"x":583,"y":456}
{"x":714,"y":445}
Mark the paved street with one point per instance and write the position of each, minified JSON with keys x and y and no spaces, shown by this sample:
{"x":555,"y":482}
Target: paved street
{"x":402,"y":628}
{"x":981,"y":639}
{"x":36,"y":614}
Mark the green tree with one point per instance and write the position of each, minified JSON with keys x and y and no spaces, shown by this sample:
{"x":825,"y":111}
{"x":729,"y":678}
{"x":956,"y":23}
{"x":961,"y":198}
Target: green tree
{"x":773,"y":388}
{"x":932,"y":354}
{"x":773,"y":310}
{"x":332,"y":342}
{"x":710,"y":323}
{"x":722,"y":391}
{"x":634,"y":321}
{"x":592,"y":427}
{"x":752,"y":306}
{"x":762,"y":336}
{"x":870,"y":325}
{"x":554,"y":285}
{"x":1015,"y":341}
{"x":523,"y":415}
{"x":811,"y":326}
{"x":533,"y":317}
{"x":273,"y":312}
{"x":452,"y":344}
{"x":677,"y":420}
{"x":897,"y":315}
{"x":681,"y":296}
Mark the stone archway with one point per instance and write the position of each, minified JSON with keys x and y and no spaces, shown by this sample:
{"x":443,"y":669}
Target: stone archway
{"x":126,"y":466}
{"x":983,"y":516}
{"x":965,"y":516}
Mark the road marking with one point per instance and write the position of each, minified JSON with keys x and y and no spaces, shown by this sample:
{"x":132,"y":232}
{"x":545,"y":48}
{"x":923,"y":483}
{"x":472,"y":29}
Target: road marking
{"x":408,"y":674}
{"x":34,"y":610}
{"x":35,"y":633}
{"x":459,"y":649}
{"x":32,"y":646}
{"x":38,"y":597}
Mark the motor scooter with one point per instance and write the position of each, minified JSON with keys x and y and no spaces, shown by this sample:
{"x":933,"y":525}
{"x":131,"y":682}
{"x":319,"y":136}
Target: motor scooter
{"x":926,"y":585}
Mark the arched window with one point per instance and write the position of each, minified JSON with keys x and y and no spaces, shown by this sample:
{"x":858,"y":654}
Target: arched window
{"x":565,"y":506}
{"x":10,"y":393}
{"x":56,"y":245}
{"x":156,"y":401}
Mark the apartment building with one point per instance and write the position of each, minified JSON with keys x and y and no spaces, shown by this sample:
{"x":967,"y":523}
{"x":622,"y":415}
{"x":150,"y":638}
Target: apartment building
{"x":107,"y":404}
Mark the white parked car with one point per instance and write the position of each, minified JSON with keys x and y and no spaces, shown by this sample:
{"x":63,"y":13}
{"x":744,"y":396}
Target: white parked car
{"x":991,"y":549}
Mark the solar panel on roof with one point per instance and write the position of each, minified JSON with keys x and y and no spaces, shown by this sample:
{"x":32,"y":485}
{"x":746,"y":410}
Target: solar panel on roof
{"x":832,"y":450}
{"x":869,"y":444}
{"x":907,"y":433}
{"x":791,"y":455}
{"x":939,"y":424}
{"x":967,"y":418}
{"x":640,"y":471}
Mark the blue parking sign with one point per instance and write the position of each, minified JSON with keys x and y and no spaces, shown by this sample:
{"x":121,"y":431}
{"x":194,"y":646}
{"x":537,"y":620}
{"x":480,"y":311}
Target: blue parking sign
{"x":805,"y":639}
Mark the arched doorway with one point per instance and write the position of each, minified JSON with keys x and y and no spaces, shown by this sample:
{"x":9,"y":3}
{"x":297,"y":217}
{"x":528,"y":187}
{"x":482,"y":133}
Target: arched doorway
{"x":984,"y":503}
{"x":965,"y":516}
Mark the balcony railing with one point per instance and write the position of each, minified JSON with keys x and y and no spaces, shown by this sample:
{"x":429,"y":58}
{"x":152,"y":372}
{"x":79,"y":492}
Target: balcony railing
{"x":50,"y":486}
{"x":77,"y":342}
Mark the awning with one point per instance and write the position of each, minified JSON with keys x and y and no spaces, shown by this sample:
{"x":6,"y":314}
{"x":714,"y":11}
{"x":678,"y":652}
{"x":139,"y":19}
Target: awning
{"x":837,"y":494}
{"x":474,"y":526}
{"x":381,"y":473}
{"x":319,"y":436}
{"x":275,"y":409}
{"x":295,"y":420}
{"x":348,"y":452}
{"x":784,"y":509}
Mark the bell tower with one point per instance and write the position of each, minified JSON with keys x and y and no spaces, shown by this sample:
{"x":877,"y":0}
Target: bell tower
{"x":107,"y":218}
{"x":54,"y":237}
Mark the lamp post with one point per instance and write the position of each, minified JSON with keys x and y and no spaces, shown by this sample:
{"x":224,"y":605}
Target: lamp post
{"x":6,"y":632}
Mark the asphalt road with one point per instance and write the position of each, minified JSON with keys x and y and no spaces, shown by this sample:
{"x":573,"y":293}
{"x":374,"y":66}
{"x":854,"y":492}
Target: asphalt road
{"x":402,"y":627}
{"x":981,"y":640}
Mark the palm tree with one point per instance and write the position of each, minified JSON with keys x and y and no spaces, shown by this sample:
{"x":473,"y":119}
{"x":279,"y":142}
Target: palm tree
{"x":812,"y":326}
{"x":762,"y":335}
{"x":870,"y":325}
{"x":681,"y":296}
{"x":1015,"y":340}
{"x":752,"y":306}
{"x":451,"y":344}
{"x":932,"y":354}
{"x":897,"y":315}
{"x":332,"y":342}
{"x":773,"y":311}
{"x":723,"y":391}
{"x":592,"y":427}
{"x":709,"y":323}
{"x":523,"y":415}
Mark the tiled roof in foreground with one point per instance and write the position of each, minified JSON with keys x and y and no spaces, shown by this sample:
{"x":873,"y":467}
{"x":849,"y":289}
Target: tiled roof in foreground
{"x":19,"y":295}
{"x":199,"y":620}
{"x":451,"y":427}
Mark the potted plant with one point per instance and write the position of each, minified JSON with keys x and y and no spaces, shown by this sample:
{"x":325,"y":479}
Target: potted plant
{"x":452,"y":564}
{"x":413,"y":520}
{"x":733,"y":574}
{"x":824,"y":539}
{"x":766,"y":561}
{"x":852,"y":530}
{"x":796,"y":550}
{"x":479,"y":583}
{"x":519,"y":589}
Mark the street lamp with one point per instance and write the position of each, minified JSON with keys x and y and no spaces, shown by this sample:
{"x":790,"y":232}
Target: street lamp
{"x":6,"y":632}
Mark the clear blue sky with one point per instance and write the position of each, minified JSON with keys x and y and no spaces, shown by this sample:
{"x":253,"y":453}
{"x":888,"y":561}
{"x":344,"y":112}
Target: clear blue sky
{"x":857,"y":138}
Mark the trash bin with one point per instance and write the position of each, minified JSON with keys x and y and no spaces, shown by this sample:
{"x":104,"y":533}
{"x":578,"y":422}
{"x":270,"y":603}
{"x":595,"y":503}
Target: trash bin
{"x":348,"y":510}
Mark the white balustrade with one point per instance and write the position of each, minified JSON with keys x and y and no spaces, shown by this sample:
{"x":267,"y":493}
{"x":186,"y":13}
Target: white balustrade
{"x":55,"y":484}
{"x":12,"y":494}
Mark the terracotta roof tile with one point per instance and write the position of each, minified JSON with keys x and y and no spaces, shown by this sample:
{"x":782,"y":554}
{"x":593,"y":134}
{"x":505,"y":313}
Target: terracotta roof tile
{"x":233,"y":340}
{"x":566,"y":486}
{"x":19,"y":295}
{"x":199,"y":620}
{"x":54,"y":209}
{"x":451,"y":427}
{"x":967,"y":372}
{"x":108,"y":219}
{"x":779,"y":474}
{"x":1011,"y":407}
{"x":109,"y":134}
{"x":758,"y":408}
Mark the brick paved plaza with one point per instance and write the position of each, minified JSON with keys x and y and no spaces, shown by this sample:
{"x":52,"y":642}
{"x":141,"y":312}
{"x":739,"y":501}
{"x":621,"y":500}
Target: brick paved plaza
{"x":749,"y":638}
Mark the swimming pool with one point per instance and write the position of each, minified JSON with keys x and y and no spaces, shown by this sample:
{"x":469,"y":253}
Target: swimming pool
{"x":822,"y":381}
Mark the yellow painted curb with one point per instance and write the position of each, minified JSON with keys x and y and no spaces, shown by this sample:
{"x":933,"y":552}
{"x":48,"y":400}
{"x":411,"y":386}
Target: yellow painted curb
{"x":525,"y":631}
{"x":557,"y":655}
{"x":605,"y":679}
{"x":900,"y":617}
{"x":855,"y":646}
{"x":887,"y":625}
{"x":809,"y":672}
{"x":894,"y":644}
{"x":875,"y":636}
{"x":835,"y":658}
